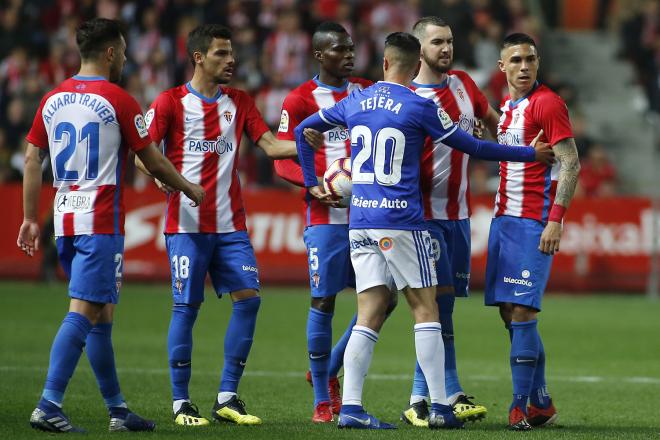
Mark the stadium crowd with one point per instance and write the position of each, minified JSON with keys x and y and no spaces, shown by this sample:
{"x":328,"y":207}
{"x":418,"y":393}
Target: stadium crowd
{"x":272,"y":46}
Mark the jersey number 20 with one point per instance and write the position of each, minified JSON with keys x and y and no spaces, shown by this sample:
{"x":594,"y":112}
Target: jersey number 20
{"x":387,"y":151}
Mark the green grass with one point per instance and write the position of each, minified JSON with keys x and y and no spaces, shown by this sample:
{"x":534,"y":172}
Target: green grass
{"x":603,"y":365}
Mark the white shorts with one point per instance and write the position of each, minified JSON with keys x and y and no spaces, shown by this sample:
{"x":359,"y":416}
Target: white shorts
{"x":393,"y":258}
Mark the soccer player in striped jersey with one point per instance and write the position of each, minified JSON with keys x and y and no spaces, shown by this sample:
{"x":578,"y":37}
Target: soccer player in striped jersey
{"x":87,"y":125}
{"x":526,"y":229}
{"x":390,"y":246}
{"x":446,"y":194}
{"x":200,"y":125}
{"x":326,"y":234}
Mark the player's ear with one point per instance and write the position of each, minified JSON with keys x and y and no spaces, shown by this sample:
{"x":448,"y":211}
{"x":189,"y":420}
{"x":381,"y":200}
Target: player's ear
{"x":419,"y":66}
{"x":386,"y":64}
{"x":318,"y":55}
{"x":500,"y":65}
{"x":198,"y":57}
{"x":110,"y":53}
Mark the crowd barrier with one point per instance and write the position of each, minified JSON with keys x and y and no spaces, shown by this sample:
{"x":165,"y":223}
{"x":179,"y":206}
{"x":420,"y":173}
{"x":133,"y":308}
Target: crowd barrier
{"x":606,"y":245}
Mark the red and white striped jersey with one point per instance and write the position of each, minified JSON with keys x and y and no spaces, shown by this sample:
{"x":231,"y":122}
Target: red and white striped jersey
{"x":528,"y":189}
{"x":88,"y":124}
{"x":303,"y":101}
{"x":444,"y":180}
{"x":201,"y":137}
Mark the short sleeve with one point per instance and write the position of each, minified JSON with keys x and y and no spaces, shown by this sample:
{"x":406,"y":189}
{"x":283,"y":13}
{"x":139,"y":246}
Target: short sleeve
{"x":436,"y":121}
{"x":292,"y":114}
{"x":131,"y":123}
{"x":159,"y":117}
{"x":255,"y":127}
{"x":551,"y":114}
{"x":37,"y":135}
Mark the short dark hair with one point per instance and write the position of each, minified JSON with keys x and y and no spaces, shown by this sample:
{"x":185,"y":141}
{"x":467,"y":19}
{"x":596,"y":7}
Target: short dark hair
{"x":407,"y":47}
{"x":420,"y":26}
{"x":327,"y":27}
{"x":95,"y":35}
{"x":516,"y":39}
{"x":200,"y":38}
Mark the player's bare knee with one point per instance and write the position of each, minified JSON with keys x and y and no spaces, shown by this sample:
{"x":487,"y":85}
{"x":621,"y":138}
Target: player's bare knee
{"x":325,"y":304}
{"x":239,"y":295}
{"x":506,"y":311}
{"x":522,"y":313}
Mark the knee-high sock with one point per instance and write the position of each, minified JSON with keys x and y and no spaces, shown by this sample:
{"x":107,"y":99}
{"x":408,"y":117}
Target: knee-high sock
{"x":524,"y":353}
{"x":238,"y":342}
{"x":179,"y":347}
{"x":357,"y":358}
{"x":337,"y":355}
{"x":65,"y":354}
{"x":102,"y":359}
{"x":446,"y":307}
{"x":539,"y":396}
{"x":430,"y":352}
{"x":319,"y":345}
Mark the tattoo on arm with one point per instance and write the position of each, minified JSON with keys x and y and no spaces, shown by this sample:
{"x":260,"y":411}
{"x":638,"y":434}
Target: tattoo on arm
{"x":566,"y":154}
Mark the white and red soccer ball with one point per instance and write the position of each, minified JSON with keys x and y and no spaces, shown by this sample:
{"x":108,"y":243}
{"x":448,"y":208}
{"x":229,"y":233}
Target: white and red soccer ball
{"x":337,"y":178}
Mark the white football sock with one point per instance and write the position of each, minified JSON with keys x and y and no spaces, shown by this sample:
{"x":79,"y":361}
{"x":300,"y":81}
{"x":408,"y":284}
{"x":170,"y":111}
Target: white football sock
{"x":225,"y":396}
{"x":357,"y":357}
{"x":415,"y":398}
{"x":176,"y":405}
{"x":430,"y":352}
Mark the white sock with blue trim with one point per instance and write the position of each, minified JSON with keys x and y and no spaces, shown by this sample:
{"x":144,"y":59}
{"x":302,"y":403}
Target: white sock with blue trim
{"x":430,"y":350}
{"x":357,"y":358}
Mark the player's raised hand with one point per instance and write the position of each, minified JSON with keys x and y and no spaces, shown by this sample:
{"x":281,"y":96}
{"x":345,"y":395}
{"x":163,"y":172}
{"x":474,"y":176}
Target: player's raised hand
{"x":314,"y":138}
{"x":550,"y":238}
{"x":195,"y":193}
{"x":478,"y":130}
{"x":544,"y":153}
{"x":28,"y":237}
{"x":164,"y":187}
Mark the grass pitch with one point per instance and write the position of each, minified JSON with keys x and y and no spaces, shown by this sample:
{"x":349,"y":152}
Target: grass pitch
{"x":603,"y":365}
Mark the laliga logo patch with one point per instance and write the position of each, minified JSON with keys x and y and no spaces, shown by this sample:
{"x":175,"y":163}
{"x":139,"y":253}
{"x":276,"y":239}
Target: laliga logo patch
{"x":385,"y":244}
{"x":284,"y":122}
{"x":140,"y":126}
{"x":149,"y":116}
{"x":445,"y":120}
{"x":316,"y":279}
{"x":228,"y":116}
{"x":525,"y":274}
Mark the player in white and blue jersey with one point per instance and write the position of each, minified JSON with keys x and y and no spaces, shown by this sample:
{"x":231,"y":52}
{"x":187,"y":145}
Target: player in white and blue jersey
{"x":390,"y":247}
{"x":87,"y":125}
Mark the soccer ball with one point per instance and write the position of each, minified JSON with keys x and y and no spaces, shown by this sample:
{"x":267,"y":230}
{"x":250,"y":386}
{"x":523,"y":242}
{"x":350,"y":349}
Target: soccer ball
{"x":337,"y":178}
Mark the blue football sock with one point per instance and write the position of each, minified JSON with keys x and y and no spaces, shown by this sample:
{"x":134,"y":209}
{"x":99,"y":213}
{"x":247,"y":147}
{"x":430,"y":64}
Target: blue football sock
{"x":352,"y":409}
{"x":238,"y":341}
{"x":442,"y":409}
{"x":337,"y":355}
{"x":510,"y":330}
{"x":540,"y":397}
{"x":179,"y":348}
{"x":102,"y":359}
{"x":524,"y":353}
{"x":64,"y":355}
{"x":419,"y":387}
{"x":446,"y":308}
{"x":319,"y":344}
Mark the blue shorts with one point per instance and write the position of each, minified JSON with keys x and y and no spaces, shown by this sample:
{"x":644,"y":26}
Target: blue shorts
{"x":228,"y":258}
{"x":94,"y":266}
{"x":329,"y":256}
{"x":451,"y":245}
{"x":516,"y":270}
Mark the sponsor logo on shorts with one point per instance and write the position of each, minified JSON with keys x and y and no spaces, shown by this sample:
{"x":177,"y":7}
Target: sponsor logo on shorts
{"x":518,"y":281}
{"x":462,"y":275}
{"x":178,"y":284}
{"x":247,"y":268}
{"x":356,"y":244}
{"x":385,"y":244}
{"x":525,"y":274}
{"x":316,"y":279}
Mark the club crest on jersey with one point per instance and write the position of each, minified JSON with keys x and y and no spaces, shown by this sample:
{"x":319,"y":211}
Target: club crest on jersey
{"x":385,"y":90}
{"x":316,"y":279}
{"x":445,"y":120}
{"x":516,"y":116}
{"x":178,"y":284}
{"x":460,"y":94}
{"x":228,"y":116}
{"x":80,"y":87}
{"x":385,"y":243}
{"x":284,"y":122}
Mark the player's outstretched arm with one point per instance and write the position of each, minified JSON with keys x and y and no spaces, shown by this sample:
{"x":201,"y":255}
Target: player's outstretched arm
{"x":28,"y":234}
{"x":566,"y":152}
{"x":281,"y":149}
{"x":162,"y":169}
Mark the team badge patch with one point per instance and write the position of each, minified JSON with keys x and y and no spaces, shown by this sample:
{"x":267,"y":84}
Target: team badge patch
{"x":149,"y":117}
{"x":385,"y":244}
{"x":140,"y":126}
{"x":179,"y":285}
{"x":460,"y":94}
{"x":228,"y":116}
{"x":445,"y":120}
{"x":316,"y":279}
{"x":284,"y":122}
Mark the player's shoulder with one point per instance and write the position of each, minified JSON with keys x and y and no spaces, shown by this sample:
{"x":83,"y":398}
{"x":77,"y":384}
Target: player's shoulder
{"x":303,"y":90}
{"x":236,"y":94}
{"x":546,"y":98}
{"x":361,"y":81}
{"x":463,"y":76}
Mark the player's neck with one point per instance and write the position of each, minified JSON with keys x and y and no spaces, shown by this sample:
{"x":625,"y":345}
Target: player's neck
{"x":93,"y":69}
{"x":427,"y":75}
{"x":331,"y":80}
{"x":517,"y":93}
{"x":397,"y":78}
{"x":205,"y":87}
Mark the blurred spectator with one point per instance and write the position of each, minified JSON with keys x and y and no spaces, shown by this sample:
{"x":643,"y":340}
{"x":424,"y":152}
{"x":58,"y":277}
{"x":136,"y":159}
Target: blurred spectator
{"x":287,"y":49}
{"x":597,"y":175}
